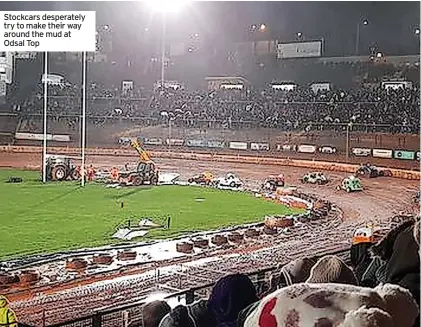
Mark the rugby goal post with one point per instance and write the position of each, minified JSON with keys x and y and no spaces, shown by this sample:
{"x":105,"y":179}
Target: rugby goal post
{"x":83,"y":127}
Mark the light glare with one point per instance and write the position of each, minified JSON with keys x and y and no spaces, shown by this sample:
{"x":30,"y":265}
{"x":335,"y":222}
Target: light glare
{"x":166,"y":6}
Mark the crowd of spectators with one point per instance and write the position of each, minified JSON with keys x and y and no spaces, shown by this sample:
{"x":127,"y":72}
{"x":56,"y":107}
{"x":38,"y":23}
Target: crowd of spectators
{"x":380,"y":287}
{"x":361,"y":101}
{"x":394,"y":110}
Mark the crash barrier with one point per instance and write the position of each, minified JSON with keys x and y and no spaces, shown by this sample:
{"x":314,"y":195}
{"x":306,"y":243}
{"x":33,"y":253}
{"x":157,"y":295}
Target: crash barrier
{"x":40,"y":137}
{"x":399,"y":154}
{"x":314,"y":165}
{"x":113,"y":316}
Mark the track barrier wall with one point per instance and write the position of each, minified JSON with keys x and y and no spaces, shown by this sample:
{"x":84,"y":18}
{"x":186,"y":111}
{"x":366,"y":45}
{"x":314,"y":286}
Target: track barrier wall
{"x":314,"y":165}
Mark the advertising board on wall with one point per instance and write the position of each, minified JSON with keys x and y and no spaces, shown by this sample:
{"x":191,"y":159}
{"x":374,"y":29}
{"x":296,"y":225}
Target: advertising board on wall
{"x":40,"y":137}
{"x":305,"y":49}
{"x":382,"y":153}
{"x":286,"y":147}
{"x":216,"y":144}
{"x":152,"y":141}
{"x":32,"y":136}
{"x":196,"y":143}
{"x":238,"y":145}
{"x":259,"y":146}
{"x":305,"y":148}
{"x":361,"y":152}
{"x":175,"y":142}
{"x":404,"y":155}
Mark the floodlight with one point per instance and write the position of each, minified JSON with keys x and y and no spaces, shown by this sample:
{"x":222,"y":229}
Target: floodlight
{"x":166,"y":6}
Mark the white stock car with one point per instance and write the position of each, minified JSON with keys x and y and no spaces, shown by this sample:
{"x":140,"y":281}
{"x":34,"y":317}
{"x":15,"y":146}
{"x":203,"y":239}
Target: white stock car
{"x":230,"y":180}
{"x":327,"y":149}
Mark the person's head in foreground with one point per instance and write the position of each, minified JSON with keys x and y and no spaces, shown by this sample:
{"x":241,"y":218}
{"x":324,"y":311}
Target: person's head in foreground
{"x":331,"y":269}
{"x":153,"y":312}
{"x":305,"y":305}
{"x":229,"y":296}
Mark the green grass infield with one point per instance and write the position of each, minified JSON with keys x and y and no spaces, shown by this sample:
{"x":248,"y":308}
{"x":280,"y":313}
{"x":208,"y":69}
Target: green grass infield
{"x":37,"y":218}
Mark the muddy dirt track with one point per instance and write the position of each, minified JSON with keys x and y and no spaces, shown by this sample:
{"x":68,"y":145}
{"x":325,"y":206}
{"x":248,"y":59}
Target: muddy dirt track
{"x":381,"y":199}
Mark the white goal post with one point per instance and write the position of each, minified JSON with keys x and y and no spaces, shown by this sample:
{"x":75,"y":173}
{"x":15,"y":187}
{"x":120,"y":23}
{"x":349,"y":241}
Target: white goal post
{"x":83,"y":127}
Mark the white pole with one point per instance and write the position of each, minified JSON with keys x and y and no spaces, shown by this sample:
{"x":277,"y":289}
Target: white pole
{"x":347,"y":142}
{"x":163,"y":51}
{"x":169,"y":134}
{"x":357,"y":40}
{"x":44,"y":147}
{"x":83,"y":116}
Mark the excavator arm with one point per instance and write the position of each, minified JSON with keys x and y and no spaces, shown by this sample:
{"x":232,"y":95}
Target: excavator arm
{"x":143,"y":155}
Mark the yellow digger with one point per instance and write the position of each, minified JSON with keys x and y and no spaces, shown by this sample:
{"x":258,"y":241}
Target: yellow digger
{"x":146,"y":172}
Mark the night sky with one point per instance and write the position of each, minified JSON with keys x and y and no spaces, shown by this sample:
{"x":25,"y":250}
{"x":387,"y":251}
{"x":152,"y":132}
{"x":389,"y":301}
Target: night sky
{"x":391,"y":24}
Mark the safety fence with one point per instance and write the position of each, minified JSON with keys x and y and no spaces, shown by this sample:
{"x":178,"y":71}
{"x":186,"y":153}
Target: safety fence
{"x":400,"y":154}
{"x":215,"y":157}
{"x":124,"y":315}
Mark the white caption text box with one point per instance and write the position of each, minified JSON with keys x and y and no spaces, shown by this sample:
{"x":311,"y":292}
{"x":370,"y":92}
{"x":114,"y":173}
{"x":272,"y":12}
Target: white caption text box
{"x":53,"y":31}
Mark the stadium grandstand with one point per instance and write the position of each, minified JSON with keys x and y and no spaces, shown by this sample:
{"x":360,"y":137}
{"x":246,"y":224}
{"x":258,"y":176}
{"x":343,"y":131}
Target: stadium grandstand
{"x":247,"y":165}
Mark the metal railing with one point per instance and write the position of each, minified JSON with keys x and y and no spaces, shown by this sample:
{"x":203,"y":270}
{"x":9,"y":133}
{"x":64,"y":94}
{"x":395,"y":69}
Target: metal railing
{"x":120,"y":316}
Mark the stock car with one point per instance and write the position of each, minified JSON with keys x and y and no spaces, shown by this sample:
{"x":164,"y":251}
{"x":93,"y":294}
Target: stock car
{"x":230,"y":180}
{"x":350,"y":184}
{"x":273,"y":182}
{"x":367,"y":170}
{"x":315,"y":178}
{"x":204,"y":178}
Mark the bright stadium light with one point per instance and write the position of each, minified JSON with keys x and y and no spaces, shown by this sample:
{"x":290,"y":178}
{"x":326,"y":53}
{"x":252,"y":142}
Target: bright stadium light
{"x":166,"y":6}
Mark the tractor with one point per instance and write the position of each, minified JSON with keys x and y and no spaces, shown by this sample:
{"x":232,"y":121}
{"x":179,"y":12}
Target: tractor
{"x":369,"y":171}
{"x":61,"y":168}
{"x":273,"y":182}
{"x":146,"y":172}
{"x":350,"y":184}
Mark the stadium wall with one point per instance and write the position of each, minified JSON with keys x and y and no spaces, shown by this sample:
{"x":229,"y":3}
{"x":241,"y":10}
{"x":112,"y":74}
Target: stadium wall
{"x":107,"y":134}
{"x":215,"y":157}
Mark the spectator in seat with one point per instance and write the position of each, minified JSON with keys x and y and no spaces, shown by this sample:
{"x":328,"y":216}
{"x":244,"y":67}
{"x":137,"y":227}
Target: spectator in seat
{"x":7,"y":315}
{"x":331,"y":269}
{"x":400,"y":252}
{"x":296,"y":271}
{"x":194,"y":315}
{"x":153,"y":312}
{"x":230,"y":295}
{"x":305,"y":305}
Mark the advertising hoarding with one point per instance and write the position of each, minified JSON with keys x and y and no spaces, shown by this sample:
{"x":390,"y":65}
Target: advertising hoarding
{"x":299,"y":50}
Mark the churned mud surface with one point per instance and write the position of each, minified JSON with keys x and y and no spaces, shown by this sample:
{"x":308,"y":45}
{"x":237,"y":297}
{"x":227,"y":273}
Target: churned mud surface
{"x":381,"y":199}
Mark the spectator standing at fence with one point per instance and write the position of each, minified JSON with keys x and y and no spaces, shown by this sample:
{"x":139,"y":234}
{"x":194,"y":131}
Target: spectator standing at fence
{"x":7,"y":315}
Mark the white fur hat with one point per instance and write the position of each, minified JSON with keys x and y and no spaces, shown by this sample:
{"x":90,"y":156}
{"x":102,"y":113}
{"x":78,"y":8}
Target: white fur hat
{"x":305,"y":305}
